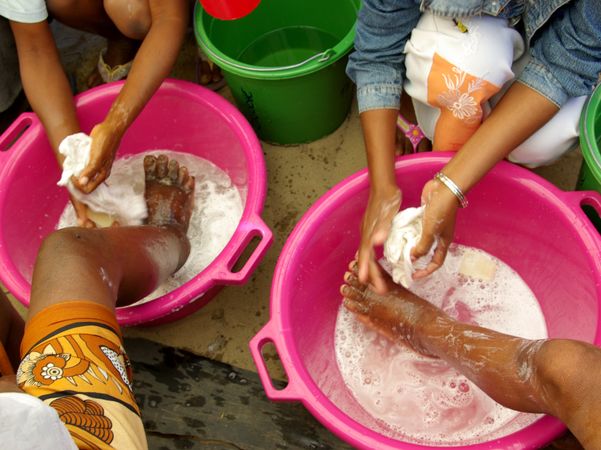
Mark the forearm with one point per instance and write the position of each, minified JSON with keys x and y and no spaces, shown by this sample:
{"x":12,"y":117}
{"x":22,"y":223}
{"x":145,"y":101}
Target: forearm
{"x":379,"y":133}
{"x":150,"y":67}
{"x":520,"y":113}
{"x":45,"y":82}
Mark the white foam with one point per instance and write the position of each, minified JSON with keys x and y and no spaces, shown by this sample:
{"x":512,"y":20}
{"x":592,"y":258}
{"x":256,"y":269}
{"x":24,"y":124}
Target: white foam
{"x":422,"y":400}
{"x":217,"y":212}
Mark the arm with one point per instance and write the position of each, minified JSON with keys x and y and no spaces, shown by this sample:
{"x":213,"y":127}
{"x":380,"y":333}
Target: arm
{"x":556,"y":376}
{"x":565,"y":62}
{"x":377,"y":68}
{"x":44,"y":81}
{"x":151,"y":66}
{"x":379,"y":132}
{"x":523,"y":111}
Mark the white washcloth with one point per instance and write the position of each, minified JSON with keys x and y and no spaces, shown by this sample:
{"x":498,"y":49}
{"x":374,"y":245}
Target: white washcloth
{"x":115,"y":197}
{"x":405,"y":232}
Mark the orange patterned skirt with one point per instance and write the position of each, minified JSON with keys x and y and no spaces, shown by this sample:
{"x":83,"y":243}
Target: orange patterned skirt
{"x":73,"y":360}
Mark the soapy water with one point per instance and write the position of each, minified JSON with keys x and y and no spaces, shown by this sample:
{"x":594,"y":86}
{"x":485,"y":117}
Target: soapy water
{"x":423,"y":400}
{"x":218,"y":208}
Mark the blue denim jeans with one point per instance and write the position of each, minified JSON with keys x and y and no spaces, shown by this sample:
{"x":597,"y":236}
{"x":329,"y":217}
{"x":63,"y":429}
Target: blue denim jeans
{"x":564,"y":37}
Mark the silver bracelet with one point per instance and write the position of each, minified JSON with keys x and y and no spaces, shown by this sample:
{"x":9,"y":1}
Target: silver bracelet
{"x":450,"y":184}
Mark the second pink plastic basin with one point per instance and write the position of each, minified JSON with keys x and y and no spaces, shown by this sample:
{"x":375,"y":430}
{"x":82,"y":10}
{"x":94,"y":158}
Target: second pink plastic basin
{"x":181,"y":116}
{"x":538,"y":230}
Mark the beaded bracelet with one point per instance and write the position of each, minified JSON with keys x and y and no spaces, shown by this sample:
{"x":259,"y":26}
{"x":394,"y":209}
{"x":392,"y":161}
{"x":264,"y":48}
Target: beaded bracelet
{"x":452,"y":187}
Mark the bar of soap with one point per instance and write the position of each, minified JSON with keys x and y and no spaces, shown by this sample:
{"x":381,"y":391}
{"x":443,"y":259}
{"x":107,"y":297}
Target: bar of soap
{"x":477,"y":265}
{"x":101,"y":220}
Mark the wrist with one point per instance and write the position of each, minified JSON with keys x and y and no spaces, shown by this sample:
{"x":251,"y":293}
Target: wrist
{"x":117,"y":121}
{"x":385,"y":190}
{"x":451,"y":187}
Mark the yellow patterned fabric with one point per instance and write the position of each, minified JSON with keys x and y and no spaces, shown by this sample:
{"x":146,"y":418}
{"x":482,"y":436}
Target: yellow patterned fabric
{"x":73,"y":360}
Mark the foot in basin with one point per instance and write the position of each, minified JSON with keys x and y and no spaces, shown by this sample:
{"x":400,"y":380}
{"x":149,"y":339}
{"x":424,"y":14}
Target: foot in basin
{"x":80,"y":276}
{"x":169,"y":192}
{"x":555,"y":376}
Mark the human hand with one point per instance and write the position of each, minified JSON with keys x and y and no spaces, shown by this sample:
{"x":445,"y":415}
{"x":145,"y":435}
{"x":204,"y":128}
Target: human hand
{"x":81,"y":211}
{"x":105,"y":142}
{"x":381,"y":209}
{"x":438,"y":226}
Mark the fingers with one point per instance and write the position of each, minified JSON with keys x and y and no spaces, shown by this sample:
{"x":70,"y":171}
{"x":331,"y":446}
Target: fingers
{"x":376,"y":279}
{"x":91,"y":182}
{"x":352,"y":280}
{"x":364,"y":255}
{"x":423,"y":246}
{"x":437,"y":260}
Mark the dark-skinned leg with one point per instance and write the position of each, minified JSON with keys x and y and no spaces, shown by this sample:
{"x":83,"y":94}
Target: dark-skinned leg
{"x":118,"y":266}
{"x":11,"y":330}
{"x":123,"y":24}
{"x":557,"y":377}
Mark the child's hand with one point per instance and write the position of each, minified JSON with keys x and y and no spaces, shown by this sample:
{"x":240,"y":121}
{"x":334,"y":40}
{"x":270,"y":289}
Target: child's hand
{"x":105,"y":142}
{"x":438,"y":226}
{"x":381,"y":209}
{"x":81,"y":210}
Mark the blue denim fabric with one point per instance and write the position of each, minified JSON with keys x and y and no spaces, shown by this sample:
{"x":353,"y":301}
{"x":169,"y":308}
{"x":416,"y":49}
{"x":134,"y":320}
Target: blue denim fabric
{"x":565,"y":36}
{"x":566,"y":55}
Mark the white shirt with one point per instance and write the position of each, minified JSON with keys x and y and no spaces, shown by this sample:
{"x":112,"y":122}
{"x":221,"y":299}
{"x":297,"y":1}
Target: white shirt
{"x":25,"y":11}
{"x":27,"y":423}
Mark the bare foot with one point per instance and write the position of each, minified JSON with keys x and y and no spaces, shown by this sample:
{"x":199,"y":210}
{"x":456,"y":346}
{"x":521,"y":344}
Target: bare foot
{"x":118,"y":52}
{"x":398,"y":314}
{"x":208,"y":74}
{"x":169,"y":192}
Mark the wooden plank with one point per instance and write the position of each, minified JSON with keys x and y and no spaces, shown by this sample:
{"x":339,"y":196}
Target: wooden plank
{"x":191,"y":402}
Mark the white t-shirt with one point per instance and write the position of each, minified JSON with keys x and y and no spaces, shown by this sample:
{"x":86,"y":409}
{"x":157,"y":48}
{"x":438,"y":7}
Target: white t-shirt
{"x":27,"y":423}
{"x":26,"y":11}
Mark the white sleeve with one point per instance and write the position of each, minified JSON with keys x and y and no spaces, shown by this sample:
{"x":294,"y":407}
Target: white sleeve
{"x":25,"y":11}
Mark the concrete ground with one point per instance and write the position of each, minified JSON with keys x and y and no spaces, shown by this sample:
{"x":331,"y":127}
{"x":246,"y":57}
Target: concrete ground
{"x":297,"y":177}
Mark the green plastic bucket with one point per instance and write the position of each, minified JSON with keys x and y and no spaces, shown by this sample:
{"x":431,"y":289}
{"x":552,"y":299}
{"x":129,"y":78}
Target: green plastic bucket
{"x":590,"y":143}
{"x":285,"y":64}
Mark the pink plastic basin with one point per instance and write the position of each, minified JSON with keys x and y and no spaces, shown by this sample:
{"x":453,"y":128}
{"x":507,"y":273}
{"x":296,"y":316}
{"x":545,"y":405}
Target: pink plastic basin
{"x":515,"y":215}
{"x":181,"y":116}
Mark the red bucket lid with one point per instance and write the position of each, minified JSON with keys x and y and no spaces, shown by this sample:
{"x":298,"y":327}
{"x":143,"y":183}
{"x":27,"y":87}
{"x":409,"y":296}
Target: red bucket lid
{"x":229,"y":9}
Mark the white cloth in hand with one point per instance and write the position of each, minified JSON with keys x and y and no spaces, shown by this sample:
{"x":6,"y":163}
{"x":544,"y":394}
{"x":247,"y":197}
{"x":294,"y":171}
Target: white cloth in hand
{"x":405,"y":233}
{"x":115,"y":197}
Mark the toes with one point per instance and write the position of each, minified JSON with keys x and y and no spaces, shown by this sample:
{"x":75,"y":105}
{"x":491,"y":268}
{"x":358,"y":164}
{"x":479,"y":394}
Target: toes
{"x":150,"y":164}
{"x":182,"y":175}
{"x":173,"y":170}
{"x":353,"y":281}
{"x":354,"y":266}
{"x":351,"y":293}
{"x":189,"y":184}
{"x":162,"y":162}
{"x":356,"y":307}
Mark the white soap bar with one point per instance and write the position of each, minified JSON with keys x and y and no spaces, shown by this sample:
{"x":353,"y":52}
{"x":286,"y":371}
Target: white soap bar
{"x":477,"y":265}
{"x":102,"y":220}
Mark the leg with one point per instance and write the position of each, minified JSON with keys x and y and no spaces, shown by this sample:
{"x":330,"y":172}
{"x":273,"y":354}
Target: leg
{"x":557,"y":377}
{"x":554,"y":139}
{"x":123,"y":24}
{"x":11,"y":333}
{"x":453,"y":68}
{"x":73,"y":355}
{"x":119,"y":265}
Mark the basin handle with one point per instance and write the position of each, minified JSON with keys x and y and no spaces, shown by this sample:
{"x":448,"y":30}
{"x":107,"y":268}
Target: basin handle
{"x":269,"y":334}
{"x":248,"y":229}
{"x":577,"y":199}
{"x":590,"y":198}
{"x":15,"y":131}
